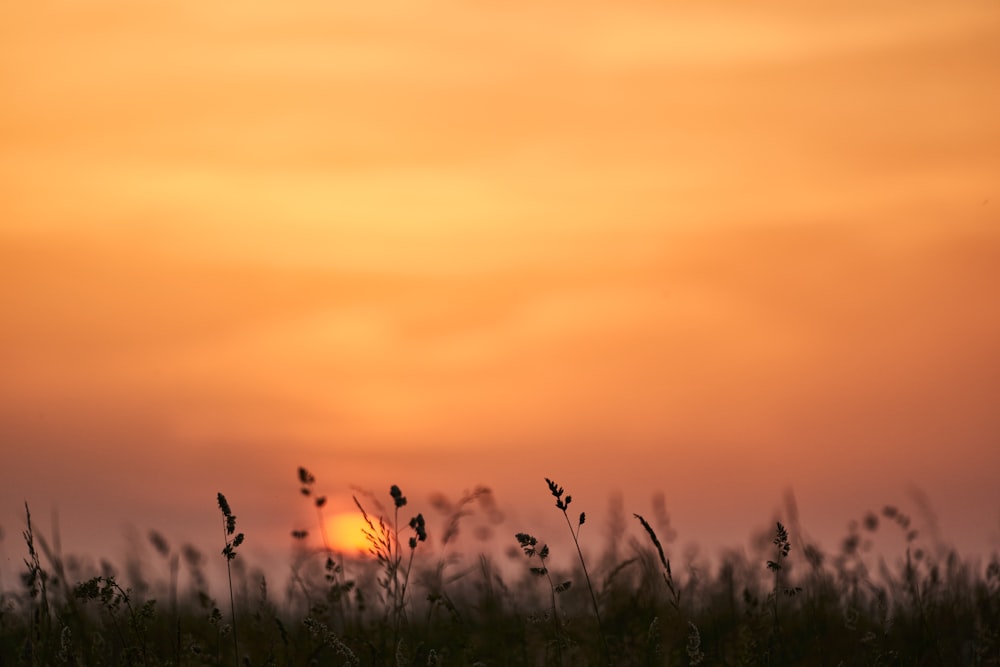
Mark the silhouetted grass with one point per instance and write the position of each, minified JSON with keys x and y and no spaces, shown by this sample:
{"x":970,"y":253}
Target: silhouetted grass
{"x":778,"y":604}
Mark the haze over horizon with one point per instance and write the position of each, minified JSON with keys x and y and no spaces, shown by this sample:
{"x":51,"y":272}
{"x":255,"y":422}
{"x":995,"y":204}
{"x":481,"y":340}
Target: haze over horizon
{"x":713,"y":251}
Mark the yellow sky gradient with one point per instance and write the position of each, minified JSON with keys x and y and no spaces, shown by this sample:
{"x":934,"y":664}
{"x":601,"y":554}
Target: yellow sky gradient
{"x":704,"y":248}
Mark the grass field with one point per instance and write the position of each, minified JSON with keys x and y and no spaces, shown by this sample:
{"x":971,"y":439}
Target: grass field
{"x":622,"y":602}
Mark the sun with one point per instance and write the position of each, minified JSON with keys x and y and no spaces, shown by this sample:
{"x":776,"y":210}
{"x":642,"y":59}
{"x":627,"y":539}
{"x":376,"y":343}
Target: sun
{"x":345,"y":532}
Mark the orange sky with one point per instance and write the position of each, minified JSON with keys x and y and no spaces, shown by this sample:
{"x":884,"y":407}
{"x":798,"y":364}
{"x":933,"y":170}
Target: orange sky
{"x":702,"y":248}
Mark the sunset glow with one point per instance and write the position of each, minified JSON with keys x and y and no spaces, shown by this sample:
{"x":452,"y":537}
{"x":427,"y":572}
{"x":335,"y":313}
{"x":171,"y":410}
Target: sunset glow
{"x":347,"y":533}
{"x":722,"y":251}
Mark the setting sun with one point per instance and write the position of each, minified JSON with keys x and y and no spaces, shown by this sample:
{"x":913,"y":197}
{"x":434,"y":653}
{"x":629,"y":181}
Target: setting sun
{"x":346,"y":532}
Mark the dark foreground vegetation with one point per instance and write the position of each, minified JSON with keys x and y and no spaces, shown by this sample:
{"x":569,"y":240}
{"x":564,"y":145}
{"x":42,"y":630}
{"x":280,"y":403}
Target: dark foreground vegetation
{"x":619,"y":603}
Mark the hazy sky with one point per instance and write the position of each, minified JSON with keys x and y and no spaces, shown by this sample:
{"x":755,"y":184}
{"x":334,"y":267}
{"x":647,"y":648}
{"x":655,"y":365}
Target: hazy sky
{"x":704,"y":248}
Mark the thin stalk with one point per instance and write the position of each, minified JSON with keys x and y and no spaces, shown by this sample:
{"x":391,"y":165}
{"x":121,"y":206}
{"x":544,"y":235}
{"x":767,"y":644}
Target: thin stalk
{"x":563,"y":504}
{"x":590,"y":586}
{"x":232,"y":597}
{"x":228,"y":528}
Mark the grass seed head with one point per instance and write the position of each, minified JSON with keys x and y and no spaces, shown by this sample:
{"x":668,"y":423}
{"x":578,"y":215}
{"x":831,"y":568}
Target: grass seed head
{"x":224,"y":505}
{"x":557,"y":492}
{"x":654,"y":539}
{"x":418,"y":524}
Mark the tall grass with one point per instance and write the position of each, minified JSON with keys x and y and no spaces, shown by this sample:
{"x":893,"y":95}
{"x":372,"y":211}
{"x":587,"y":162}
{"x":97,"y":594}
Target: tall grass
{"x":782,"y":602}
{"x":229,"y":552}
{"x":387,"y":548}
